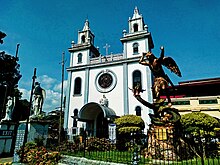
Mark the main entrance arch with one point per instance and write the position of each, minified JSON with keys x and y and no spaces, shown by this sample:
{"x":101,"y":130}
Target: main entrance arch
{"x":97,"y":118}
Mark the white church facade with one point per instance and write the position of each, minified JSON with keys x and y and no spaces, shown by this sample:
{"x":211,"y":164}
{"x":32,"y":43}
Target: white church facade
{"x":98,"y":86}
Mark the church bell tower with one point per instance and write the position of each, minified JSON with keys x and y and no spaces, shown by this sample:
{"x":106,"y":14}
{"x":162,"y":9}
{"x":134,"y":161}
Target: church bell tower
{"x":84,"y":49}
{"x":138,"y":39}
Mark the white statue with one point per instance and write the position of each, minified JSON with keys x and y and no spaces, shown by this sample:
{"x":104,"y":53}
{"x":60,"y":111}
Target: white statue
{"x":9,"y":108}
{"x":104,"y":101}
{"x":39,"y":97}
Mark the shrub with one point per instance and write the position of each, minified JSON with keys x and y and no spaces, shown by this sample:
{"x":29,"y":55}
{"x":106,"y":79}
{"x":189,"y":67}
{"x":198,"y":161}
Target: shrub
{"x":36,"y":155}
{"x":98,"y":144}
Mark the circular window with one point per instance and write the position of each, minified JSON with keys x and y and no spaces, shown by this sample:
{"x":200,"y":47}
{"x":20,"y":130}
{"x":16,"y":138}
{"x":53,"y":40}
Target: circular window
{"x":105,"y":81}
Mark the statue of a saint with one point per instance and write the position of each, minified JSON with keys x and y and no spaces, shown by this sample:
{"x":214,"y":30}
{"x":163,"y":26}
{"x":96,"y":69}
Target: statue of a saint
{"x":39,"y":97}
{"x":9,"y":108}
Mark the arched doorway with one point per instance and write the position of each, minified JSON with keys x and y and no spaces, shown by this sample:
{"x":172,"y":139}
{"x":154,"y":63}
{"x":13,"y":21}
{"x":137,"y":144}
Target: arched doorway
{"x":97,"y":118}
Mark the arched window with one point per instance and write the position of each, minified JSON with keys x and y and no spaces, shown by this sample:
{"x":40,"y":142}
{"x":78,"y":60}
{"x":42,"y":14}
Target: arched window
{"x":135,"y":48}
{"x":138,"y":110}
{"x":137,"y":79}
{"x":135,"y":26}
{"x":77,"y":87}
{"x":83,"y":39}
{"x":80,"y":58}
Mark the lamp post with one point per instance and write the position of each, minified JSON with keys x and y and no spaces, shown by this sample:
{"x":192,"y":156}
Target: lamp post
{"x":61,"y":101}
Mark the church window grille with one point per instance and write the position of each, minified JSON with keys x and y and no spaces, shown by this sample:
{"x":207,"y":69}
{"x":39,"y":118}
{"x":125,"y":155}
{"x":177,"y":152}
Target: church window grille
{"x":77,"y":87}
{"x":138,"y":110}
{"x":135,"y":26}
{"x":135,"y":48}
{"x":137,"y":79}
{"x":80,"y":58}
{"x":83,"y":39}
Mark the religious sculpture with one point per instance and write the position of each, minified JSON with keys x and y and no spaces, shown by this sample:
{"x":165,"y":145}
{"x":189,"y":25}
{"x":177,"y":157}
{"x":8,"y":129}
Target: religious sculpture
{"x":161,"y":80}
{"x":39,"y":97}
{"x":9,"y":108}
{"x":165,"y":119}
{"x":163,"y":114}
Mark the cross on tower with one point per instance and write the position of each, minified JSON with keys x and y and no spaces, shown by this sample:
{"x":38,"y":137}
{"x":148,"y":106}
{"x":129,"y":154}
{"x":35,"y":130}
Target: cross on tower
{"x":106,"y":48}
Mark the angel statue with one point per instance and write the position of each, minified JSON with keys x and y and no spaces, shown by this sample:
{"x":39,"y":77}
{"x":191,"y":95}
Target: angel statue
{"x":9,"y":108}
{"x":39,"y":97}
{"x":161,"y":80}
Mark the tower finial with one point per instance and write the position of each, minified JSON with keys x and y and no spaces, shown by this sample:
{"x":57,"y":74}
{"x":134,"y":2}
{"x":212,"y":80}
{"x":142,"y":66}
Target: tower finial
{"x":136,"y":13}
{"x":86,"y":25}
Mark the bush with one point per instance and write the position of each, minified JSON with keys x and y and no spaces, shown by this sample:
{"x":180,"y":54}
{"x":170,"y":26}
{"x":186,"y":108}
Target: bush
{"x":68,"y":146}
{"x":129,"y":127}
{"x":98,"y":144}
{"x":36,"y":155}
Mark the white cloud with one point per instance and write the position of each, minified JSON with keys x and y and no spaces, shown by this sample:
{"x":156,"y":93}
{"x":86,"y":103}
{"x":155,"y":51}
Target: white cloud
{"x":58,"y":86}
{"x":53,"y":91}
{"x":46,"y":81}
{"x":25,"y":93}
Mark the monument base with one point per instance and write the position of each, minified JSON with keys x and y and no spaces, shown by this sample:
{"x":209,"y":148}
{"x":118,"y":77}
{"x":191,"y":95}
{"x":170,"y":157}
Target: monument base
{"x":37,"y":132}
{"x":7,"y":137}
{"x":161,"y":142}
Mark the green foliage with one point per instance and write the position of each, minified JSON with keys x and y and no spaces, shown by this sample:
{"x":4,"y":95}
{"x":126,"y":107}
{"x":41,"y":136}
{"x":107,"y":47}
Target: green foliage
{"x":198,"y":122}
{"x":125,"y":130}
{"x":34,"y":154}
{"x":129,"y":123}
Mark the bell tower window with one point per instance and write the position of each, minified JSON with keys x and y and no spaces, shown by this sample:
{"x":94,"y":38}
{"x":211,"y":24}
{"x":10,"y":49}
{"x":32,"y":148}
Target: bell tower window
{"x":135,"y":26}
{"x":80,"y":58}
{"x":135,"y":48}
{"x":77,"y":87}
{"x":137,"y":79}
{"x":83,"y":39}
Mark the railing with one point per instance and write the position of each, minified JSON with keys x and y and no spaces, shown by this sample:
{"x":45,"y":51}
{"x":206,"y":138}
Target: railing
{"x":159,"y":147}
{"x":101,"y":59}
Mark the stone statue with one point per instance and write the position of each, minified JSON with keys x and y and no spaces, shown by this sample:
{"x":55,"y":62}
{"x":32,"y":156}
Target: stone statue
{"x":161,"y":80}
{"x":9,"y":108}
{"x":39,"y":97}
{"x":104,"y":101}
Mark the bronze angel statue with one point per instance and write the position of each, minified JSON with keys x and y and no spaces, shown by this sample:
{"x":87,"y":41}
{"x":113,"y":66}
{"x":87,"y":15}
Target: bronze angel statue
{"x":161,"y":80}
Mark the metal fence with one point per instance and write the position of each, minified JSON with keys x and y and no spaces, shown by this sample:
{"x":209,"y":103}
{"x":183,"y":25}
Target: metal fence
{"x":162,"y":146}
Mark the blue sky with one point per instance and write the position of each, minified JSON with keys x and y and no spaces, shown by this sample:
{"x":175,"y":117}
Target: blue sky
{"x":188,"y":29}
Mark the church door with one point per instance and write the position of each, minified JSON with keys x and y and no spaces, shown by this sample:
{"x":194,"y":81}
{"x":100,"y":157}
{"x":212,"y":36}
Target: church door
{"x":101,"y":126}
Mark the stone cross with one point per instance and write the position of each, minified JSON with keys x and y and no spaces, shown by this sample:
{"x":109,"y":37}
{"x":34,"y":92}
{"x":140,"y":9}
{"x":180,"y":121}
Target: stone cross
{"x":106,"y":48}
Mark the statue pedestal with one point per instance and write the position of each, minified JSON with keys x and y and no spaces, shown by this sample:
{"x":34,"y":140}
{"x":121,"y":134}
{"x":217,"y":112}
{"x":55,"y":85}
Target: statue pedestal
{"x":37,"y":132}
{"x":161,"y":142}
{"x":7,"y":137}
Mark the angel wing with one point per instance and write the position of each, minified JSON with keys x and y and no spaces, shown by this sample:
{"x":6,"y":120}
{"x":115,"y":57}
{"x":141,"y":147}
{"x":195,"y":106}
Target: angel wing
{"x":171,"y":64}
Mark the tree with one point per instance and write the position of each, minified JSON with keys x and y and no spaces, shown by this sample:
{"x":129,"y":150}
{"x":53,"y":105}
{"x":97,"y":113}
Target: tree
{"x":2,"y":35}
{"x":197,"y":122}
{"x":199,"y":128}
{"x":9,"y":77}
